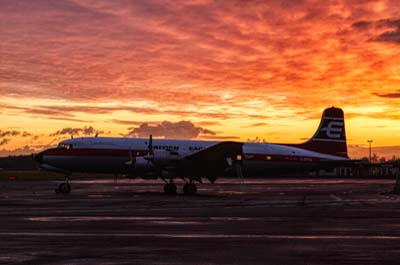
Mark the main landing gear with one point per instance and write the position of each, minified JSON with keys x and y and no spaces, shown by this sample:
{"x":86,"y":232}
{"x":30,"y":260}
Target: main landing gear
{"x":188,"y":189}
{"x":170,"y":188}
{"x":64,"y":187}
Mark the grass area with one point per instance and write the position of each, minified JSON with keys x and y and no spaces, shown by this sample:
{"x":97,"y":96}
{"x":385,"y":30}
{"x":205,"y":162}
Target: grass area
{"x":6,"y":175}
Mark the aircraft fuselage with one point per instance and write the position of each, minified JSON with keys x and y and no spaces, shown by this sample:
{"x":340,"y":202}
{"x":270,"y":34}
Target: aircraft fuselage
{"x":111,"y":155}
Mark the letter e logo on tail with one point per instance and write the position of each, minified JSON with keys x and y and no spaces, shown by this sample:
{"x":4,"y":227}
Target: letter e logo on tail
{"x":334,"y":129}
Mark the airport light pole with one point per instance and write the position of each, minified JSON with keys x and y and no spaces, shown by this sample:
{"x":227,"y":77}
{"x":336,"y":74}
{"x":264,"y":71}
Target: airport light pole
{"x":369,"y":142}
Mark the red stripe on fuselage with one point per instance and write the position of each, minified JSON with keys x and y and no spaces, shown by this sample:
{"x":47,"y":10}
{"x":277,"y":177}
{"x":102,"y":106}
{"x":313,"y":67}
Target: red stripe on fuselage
{"x":93,"y":152}
{"x":281,"y":158}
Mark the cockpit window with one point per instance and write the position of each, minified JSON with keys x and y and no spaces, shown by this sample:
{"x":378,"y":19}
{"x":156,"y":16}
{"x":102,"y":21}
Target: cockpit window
{"x":65,"y":146}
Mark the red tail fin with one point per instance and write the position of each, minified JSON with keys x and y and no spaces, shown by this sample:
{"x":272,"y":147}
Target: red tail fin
{"x":330,"y":137}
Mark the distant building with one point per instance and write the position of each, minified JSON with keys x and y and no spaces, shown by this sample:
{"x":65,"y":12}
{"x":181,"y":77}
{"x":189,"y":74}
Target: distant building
{"x":386,"y":169}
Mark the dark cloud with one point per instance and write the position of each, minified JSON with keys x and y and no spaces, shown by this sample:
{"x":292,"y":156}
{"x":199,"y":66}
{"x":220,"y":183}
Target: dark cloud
{"x":388,"y":95}
{"x":392,"y":35}
{"x":47,"y":112}
{"x":4,"y":141}
{"x":362,"y":24}
{"x":166,"y":129}
{"x":25,"y":150}
{"x":126,"y":122}
{"x":258,"y":124}
{"x":392,"y":26}
{"x":9,"y":133}
{"x":26,"y":134}
{"x":85,"y":131}
{"x":208,"y":123}
{"x":69,"y":112}
{"x":137,"y":123}
{"x":13,"y":133}
{"x":391,"y":22}
{"x":218,"y":137}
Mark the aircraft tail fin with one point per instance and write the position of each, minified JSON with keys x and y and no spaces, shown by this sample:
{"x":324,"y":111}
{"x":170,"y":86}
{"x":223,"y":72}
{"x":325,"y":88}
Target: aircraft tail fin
{"x":330,"y":138}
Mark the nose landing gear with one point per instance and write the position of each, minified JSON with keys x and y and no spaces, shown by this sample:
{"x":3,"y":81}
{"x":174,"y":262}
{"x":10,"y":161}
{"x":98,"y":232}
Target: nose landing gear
{"x":64,"y":187}
{"x":170,"y":188}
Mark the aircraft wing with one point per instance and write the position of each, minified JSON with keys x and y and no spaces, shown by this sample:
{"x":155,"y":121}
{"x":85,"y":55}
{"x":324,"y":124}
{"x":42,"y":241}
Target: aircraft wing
{"x":213,"y":161}
{"x":217,"y":152}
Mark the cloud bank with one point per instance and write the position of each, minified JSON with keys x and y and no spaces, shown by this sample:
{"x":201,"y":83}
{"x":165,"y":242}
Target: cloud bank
{"x":166,"y":129}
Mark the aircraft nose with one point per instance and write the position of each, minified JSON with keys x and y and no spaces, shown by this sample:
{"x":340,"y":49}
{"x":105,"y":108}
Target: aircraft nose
{"x":39,"y":157}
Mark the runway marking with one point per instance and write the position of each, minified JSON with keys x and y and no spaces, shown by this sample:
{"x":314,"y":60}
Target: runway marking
{"x":179,"y":223}
{"x":152,"y":219}
{"x":204,"y":236}
{"x":97,"y":218}
{"x":336,"y":198}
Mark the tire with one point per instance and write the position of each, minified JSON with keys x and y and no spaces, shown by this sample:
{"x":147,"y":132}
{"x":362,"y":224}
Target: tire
{"x":64,"y":188}
{"x":170,"y":188}
{"x":189,"y":189}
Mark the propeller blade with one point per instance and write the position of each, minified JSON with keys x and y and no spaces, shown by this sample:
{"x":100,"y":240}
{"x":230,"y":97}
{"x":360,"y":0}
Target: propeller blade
{"x":150,"y":155}
{"x":131,"y":158}
{"x":151,"y":144}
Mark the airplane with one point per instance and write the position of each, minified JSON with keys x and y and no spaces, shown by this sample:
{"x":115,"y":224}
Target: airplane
{"x":193,"y":160}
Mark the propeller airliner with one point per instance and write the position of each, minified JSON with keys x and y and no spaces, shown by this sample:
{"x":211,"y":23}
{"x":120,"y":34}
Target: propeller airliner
{"x":193,"y":160}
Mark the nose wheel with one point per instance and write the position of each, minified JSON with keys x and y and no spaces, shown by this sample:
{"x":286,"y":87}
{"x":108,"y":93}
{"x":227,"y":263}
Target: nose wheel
{"x":64,"y":187}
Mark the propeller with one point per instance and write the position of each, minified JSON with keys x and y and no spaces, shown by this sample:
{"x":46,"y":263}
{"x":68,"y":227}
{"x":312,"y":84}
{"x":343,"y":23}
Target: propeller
{"x":150,"y":153}
{"x":149,"y":157}
{"x":132,"y":158}
{"x":151,"y":144}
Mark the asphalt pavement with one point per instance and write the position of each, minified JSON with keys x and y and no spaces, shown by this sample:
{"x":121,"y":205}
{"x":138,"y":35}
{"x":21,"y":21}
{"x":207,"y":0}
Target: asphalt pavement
{"x":251,"y":221}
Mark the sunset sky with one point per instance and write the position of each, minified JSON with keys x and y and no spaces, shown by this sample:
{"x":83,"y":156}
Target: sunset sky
{"x":197,"y":69}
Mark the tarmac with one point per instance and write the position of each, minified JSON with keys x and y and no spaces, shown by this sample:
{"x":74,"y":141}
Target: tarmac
{"x":251,"y":221}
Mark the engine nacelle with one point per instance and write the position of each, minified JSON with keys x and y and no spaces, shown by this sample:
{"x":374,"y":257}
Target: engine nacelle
{"x":152,"y":164}
{"x":142,"y":165}
{"x":163,"y":157}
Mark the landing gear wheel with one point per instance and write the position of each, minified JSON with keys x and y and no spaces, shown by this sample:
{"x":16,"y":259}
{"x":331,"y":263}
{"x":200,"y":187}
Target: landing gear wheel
{"x":64,"y":188}
{"x":189,"y":189}
{"x":170,"y":188}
